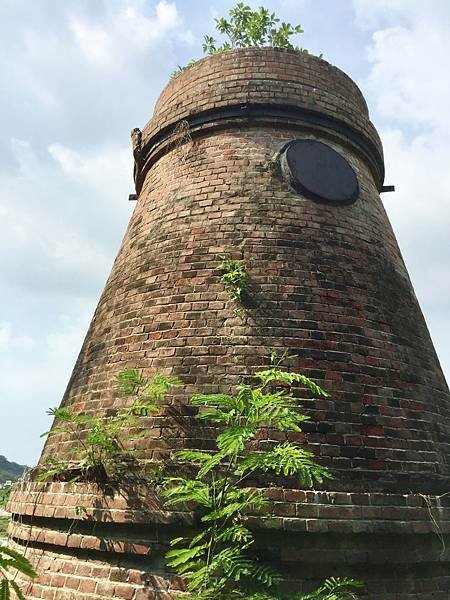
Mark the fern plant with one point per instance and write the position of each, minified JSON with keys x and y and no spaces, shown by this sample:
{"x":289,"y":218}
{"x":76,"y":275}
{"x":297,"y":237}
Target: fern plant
{"x":99,"y":441}
{"x":334,"y":588}
{"x":219,"y":562}
{"x":10,"y":559}
{"x":234,"y":277}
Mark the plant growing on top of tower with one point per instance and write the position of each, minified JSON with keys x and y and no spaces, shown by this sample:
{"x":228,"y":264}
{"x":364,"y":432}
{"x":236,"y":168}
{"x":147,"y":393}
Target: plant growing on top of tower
{"x":99,"y":443}
{"x":219,"y":561}
{"x":234,"y":277}
{"x":247,"y":28}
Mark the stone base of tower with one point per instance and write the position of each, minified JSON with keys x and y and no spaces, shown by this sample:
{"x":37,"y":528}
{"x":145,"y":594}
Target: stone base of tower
{"x":94,"y":544}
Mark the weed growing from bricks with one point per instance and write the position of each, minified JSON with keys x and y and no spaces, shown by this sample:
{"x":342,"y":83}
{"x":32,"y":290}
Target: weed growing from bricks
{"x":99,"y":443}
{"x":218,"y":561}
{"x":234,"y":277}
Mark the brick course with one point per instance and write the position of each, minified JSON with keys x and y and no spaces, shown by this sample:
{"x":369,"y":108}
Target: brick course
{"x":327,"y":283}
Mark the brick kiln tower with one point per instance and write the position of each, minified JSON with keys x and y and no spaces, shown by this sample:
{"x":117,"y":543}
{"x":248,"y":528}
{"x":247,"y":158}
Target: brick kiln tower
{"x":267,"y":156}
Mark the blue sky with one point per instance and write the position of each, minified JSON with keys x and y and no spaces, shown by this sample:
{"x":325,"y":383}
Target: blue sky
{"x":78,"y":75}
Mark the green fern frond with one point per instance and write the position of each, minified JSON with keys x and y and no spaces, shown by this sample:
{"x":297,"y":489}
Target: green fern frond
{"x":197,"y":457}
{"x":334,"y":588}
{"x":236,"y":533}
{"x":288,"y":378}
{"x":181,"y":556}
{"x":286,"y":459}
{"x":17,"y":590}
{"x":233,"y":439}
{"x":129,"y":381}
{"x":217,"y":400}
{"x":182,"y":490}
{"x":11,"y":559}
{"x":158,"y":385}
{"x":4,"y":590}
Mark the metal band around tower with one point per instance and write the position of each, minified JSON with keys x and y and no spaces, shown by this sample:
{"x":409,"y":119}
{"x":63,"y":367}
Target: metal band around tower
{"x":270,"y":115}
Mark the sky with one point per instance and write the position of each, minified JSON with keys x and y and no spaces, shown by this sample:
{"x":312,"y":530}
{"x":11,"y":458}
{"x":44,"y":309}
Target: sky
{"x":77,"y":76}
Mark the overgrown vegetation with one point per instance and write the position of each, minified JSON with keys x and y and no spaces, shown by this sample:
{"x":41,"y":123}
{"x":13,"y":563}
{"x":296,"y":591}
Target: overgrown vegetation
{"x":219,"y":562}
{"x":234,"y":277}
{"x":101,"y":443}
{"x":10,"y":470}
{"x":10,"y":559}
{"x":248,"y":28}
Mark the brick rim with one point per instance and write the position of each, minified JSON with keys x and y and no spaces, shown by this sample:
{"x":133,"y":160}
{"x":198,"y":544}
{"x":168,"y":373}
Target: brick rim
{"x":218,"y":86}
{"x":259,"y":53}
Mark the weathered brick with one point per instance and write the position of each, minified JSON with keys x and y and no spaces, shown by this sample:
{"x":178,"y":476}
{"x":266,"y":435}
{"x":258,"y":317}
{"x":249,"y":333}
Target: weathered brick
{"x":327,"y":283}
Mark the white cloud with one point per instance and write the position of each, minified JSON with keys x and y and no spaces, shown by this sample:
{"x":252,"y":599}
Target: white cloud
{"x":77,"y":77}
{"x":372,"y":14}
{"x":167,"y":16}
{"x":5,"y":335}
{"x":65,"y":341}
{"x":92,"y":41}
{"x":9,"y":340}
{"x":29,"y":387}
{"x":408,"y":89}
{"x":408,"y":75}
{"x":420,"y":210}
{"x":127,"y":29}
{"x":83,"y":72}
{"x":188,"y":37}
{"x":62,"y":217}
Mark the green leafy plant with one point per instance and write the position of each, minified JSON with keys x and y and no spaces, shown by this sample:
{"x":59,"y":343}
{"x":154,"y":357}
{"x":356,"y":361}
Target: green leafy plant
{"x":252,"y":28}
{"x":335,"y":588}
{"x":248,"y":28}
{"x":4,"y":495}
{"x":277,"y":360}
{"x":219,"y":560}
{"x":99,"y":443}
{"x":234,"y":277}
{"x":179,"y":68}
{"x":10,"y":559}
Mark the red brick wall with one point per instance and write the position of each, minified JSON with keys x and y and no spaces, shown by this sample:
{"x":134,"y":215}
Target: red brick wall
{"x":115,"y":545}
{"x":328,"y":285}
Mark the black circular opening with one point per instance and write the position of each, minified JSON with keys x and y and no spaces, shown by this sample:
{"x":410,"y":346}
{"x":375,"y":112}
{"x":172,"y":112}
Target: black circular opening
{"x":318,"y":172}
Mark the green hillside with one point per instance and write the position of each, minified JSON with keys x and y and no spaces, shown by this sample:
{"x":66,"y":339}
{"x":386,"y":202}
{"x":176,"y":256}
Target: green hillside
{"x":10,"y":470}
